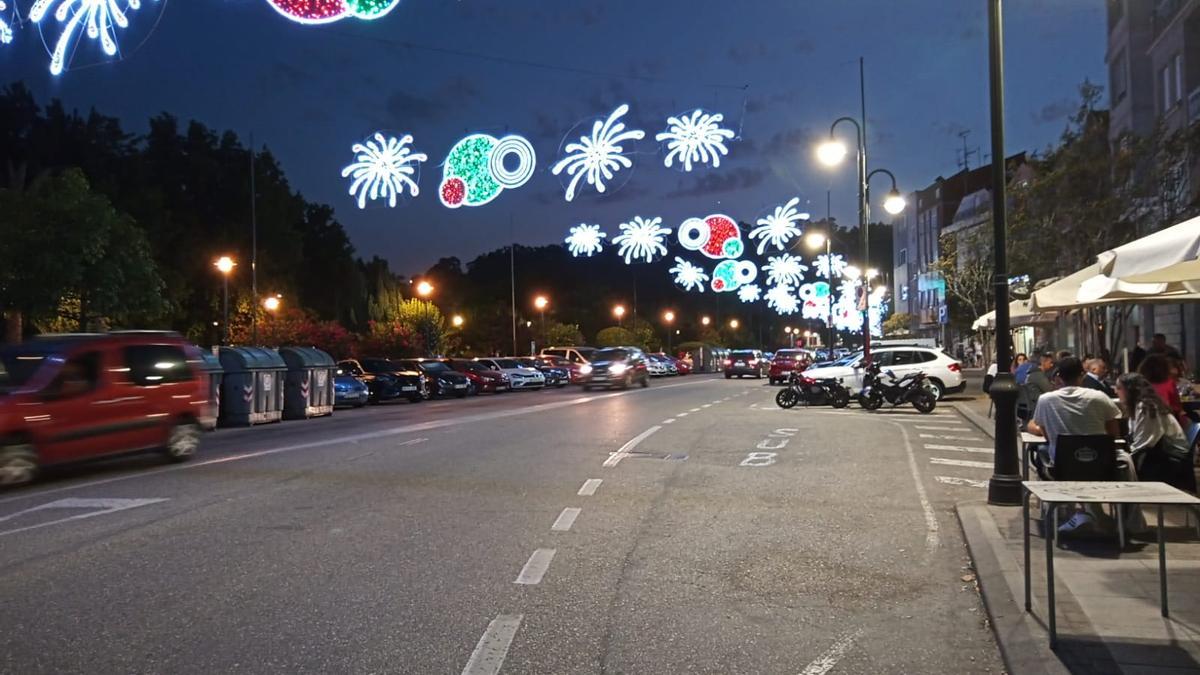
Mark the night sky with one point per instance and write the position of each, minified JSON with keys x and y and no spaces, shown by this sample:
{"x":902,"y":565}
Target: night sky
{"x":780,"y":71}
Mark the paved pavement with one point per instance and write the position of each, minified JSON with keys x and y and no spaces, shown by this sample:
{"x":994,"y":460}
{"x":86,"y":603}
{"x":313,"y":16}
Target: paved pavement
{"x":689,"y":527}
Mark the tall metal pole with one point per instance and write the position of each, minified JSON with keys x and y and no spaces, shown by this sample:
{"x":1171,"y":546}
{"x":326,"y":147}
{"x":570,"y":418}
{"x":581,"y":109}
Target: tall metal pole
{"x":864,"y":205}
{"x":1004,"y":488}
{"x":512,"y":279}
{"x":253,"y":249}
{"x":829,"y":264}
{"x":225,"y":303}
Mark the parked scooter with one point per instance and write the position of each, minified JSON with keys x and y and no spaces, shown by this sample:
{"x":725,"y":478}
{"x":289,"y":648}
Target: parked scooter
{"x":912,"y":388}
{"x":807,"y":391}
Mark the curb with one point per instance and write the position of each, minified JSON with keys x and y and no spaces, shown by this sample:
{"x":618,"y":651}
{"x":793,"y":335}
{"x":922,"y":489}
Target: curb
{"x":984,"y":424}
{"x":1023,"y":644}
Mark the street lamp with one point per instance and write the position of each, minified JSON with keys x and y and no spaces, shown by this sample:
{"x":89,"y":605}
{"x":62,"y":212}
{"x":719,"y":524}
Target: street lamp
{"x":787,"y":330}
{"x":456,"y":321}
{"x":225,"y":266}
{"x":705,"y":320}
{"x":272,"y":303}
{"x":668,"y":318}
{"x":733,"y":323}
{"x":424,"y":289}
{"x":541,"y":302}
{"x":619,"y":312}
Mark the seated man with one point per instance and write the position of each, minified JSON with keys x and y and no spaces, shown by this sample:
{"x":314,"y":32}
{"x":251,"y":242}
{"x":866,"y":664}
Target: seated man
{"x":1097,"y":370}
{"x":1074,"y":410}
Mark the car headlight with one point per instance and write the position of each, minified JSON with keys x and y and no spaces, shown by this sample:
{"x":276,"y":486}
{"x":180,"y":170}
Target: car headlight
{"x":618,"y":368}
{"x":585,"y":369}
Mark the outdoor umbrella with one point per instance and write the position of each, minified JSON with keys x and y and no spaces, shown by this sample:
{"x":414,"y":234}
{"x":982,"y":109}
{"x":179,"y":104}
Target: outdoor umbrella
{"x":1088,"y":287}
{"x":1168,"y":255}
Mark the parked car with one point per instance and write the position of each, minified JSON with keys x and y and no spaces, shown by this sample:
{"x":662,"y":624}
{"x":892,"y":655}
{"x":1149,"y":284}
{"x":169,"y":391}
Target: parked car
{"x":742,"y":362}
{"x":67,"y":398}
{"x":944,"y":373}
{"x":681,"y":366}
{"x":482,"y":378}
{"x":349,"y":390}
{"x":440,"y":378}
{"x":386,"y":380}
{"x":519,"y":377}
{"x":616,"y":367}
{"x":785,"y":361}
{"x":555,"y":376}
{"x":572,"y":368}
{"x":579,"y":355}
{"x":660,"y":366}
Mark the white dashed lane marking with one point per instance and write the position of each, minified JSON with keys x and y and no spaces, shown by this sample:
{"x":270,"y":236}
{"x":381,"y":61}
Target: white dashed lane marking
{"x":535,"y":569}
{"x":959,"y":462}
{"x":616,"y":457}
{"x":590,"y":486}
{"x":958,"y":480}
{"x":565,"y":519}
{"x":682,"y":415}
{"x":960,"y":448}
{"x":944,"y":437}
{"x":492,"y":649}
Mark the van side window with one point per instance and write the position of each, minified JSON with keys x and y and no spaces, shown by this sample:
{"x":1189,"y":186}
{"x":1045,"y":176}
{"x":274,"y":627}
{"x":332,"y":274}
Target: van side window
{"x":152,"y":365}
{"x":79,"y":375}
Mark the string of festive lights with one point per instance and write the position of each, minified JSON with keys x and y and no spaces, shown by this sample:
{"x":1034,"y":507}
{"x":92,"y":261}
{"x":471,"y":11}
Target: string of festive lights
{"x":730,"y":275}
{"x":641,"y":238}
{"x":96,"y":19}
{"x":585,"y":240}
{"x":383,"y":168}
{"x":598,"y":156}
{"x":474,"y":172}
{"x":715,"y":236}
{"x":695,"y":138}
{"x":316,"y":12}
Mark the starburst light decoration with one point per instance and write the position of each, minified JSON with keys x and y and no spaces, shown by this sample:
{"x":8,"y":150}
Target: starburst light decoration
{"x":829,"y":266}
{"x":598,"y":157}
{"x":846,"y":314}
{"x":695,"y":138}
{"x":585,"y":240}
{"x":782,"y":299}
{"x":814,"y":301}
{"x":95,"y":19}
{"x":731,"y":275}
{"x":688,"y":275}
{"x":641,"y":238}
{"x":749,"y":293}
{"x":786,"y":269}
{"x":475,"y":173}
{"x":780,"y":227}
{"x":6,"y":34}
{"x":383,"y":168}
{"x":327,"y":11}
{"x":716,"y":236}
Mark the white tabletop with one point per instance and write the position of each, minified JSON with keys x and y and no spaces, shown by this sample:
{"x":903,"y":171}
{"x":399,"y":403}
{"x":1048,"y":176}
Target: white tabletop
{"x":1108,"y":492}
{"x":1027,"y":437}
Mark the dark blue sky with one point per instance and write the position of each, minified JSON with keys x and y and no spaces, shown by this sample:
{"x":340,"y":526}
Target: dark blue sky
{"x":310,"y":92}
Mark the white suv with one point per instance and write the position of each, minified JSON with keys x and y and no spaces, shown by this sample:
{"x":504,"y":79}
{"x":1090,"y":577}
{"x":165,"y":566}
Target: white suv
{"x":944,"y":373}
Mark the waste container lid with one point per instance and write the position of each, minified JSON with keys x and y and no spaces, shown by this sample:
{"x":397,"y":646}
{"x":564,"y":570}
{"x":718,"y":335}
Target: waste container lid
{"x":237,"y":359}
{"x":210,"y":363}
{"x":305,"y":357}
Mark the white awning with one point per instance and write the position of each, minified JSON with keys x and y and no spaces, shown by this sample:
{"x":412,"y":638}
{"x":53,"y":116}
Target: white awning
{"x":1170,"y":255}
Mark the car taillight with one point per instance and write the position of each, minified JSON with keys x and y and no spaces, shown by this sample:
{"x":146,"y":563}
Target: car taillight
{"x":752,"y":361}
{"x":729,"y":362}
{"x":955,"y":368}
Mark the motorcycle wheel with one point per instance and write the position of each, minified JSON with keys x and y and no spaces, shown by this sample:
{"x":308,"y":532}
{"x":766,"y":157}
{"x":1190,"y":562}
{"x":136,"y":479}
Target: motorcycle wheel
{"x":925,"y":402}
{"x":840,"y":398}
{"x":786,"y":398}
{"x":872,"y":402}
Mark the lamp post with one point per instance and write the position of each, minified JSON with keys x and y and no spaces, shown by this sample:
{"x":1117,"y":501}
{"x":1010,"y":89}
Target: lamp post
{"x":424,"y":290}
{"x":668,"y":318}
{"x":225,"y":266}
{"x":540,"y":302}
{"x":1004,"y":488}
{"x":619,"y":312}
{"x":787,"y":330}
{"x":705,"y":320}
{"x":457,"y":321}
{"x":733,"y":323}
{"x":272,"y":303}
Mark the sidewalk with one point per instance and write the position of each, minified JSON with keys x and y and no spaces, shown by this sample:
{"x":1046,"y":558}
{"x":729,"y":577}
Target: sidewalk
{"x":1108,"y":600}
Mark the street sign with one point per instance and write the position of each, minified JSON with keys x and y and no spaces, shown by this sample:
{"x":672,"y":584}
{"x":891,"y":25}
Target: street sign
{"x":943,"y":315}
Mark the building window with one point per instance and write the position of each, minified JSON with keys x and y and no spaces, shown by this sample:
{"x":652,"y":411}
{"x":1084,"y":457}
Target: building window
{"x":1178,"y":78}
{"x":1164,"y":79}
{"x":1118,"y":77}
{"x":902,"y":259}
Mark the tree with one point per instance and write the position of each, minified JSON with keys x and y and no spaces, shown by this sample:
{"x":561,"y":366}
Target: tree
{"x":615,"y":336}
{"x":897,"y":324}
{"x":966,"y":267}
{"x":562,"y":334}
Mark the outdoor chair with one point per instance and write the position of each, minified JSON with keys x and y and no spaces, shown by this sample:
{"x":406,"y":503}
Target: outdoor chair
{"x":1088,"y":458}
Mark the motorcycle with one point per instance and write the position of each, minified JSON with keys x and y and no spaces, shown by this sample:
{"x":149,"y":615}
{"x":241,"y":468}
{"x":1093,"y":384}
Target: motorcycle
{"x":805,"y":390}
{"x":912,"y":388}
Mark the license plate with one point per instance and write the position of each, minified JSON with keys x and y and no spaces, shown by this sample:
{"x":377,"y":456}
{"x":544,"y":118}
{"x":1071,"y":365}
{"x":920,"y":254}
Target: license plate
{"x":740,"y":363}
{"x":460,"y":386}
{"x":408,"y":388}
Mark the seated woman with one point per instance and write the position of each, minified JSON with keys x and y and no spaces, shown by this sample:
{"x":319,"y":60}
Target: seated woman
{"x":1157,"y":368}
{"x":1156,"y":440}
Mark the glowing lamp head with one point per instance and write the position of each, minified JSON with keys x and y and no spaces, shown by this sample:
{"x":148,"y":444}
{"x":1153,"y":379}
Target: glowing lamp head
{"x":424,"y":289}
{"x":787,"y":330}
{"x":669,"y":317}
{"x":831,"y":152}
{"x":733,"y":323}
{"x":225,"y":264}
{"x":815,"y":240}
{"x":894,"y":203}
{"x":619,"y":311}
{"x":705,"y":320}
{"x":540,"y":302}
{"x":457,"y":321}
{"x":272,"y":303}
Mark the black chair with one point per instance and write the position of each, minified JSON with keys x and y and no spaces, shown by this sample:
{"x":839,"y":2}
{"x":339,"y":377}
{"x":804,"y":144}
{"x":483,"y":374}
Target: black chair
{"x":1088,"y":458}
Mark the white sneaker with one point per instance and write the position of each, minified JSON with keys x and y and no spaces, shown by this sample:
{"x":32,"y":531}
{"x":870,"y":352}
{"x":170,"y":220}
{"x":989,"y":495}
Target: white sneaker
{"x":1080,"y":519}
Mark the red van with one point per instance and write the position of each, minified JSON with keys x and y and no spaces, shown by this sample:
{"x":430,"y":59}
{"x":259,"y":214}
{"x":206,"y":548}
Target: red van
{"x":65,"y":398}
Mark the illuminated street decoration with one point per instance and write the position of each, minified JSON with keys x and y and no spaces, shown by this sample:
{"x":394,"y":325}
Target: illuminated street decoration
{"x":782,"y":299}
{"x":327,"y":11}
{"x":695,"y":138}
{"x":96,"y":19}
{"x":786,"y":269}
{"x":780,"y":227}
{"x":846,"y":315}
{"x":834,"y":261}
{"x":475,"y":172}
{"x":585,"y":240}
{"x":814,"y":299}
{"x":6,"y":35}
{"x":730,"y":275}
{"x":641,"y":238}
{"x":715,"y":236}
{"x":690,"y":276}
{"x":749,"y":293}
{"x":383,"y":168}
{"x":599,"y":156}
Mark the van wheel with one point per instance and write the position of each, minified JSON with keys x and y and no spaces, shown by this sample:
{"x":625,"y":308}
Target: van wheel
{"x":18,"y":464}
{"x":182,"y":442}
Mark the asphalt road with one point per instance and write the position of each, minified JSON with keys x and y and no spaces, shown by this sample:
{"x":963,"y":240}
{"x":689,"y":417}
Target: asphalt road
{"x":691,"y":527}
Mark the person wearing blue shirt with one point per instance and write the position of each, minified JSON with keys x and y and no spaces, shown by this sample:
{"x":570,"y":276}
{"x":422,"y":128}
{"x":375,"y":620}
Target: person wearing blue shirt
{"x":1022,"y":368}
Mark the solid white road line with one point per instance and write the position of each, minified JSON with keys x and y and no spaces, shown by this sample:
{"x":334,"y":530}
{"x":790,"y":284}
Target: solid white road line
{"x":489,"y":654}
{"x":960,"y":462}
{"x":951,"y":438}
{"x":682,"y":415}
{"x":385,"y":433}
{"x":959,"y":448}
{"x":826,"y":661}
{"x":535,"y":569}
{"x":941,"y":428}
{"x":589,"y":487}
{"x":931,"y":522}
{"x":616,"y":457}
{"x":565,"y":519}
{"x":955,"y":480}
{"x":107,"y":506}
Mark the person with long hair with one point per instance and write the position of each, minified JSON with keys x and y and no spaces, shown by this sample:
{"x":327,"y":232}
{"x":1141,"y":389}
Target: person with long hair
{"x":1156,"y":441}
{"x":1157,"y":369}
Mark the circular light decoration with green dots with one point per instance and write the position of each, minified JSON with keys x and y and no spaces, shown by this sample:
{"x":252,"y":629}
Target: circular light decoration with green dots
{"x":476,"y":171}
{"x":328,"y":11}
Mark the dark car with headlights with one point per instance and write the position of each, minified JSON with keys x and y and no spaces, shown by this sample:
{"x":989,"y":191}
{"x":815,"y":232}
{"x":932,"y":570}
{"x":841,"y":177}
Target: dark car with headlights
{"x":386,"y":380}
{"x":556,"y":376}
{"x":349,"y":390}
{"x":616,"y":367}
{"x":440,"y":378}
{"x":482,"y":378}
